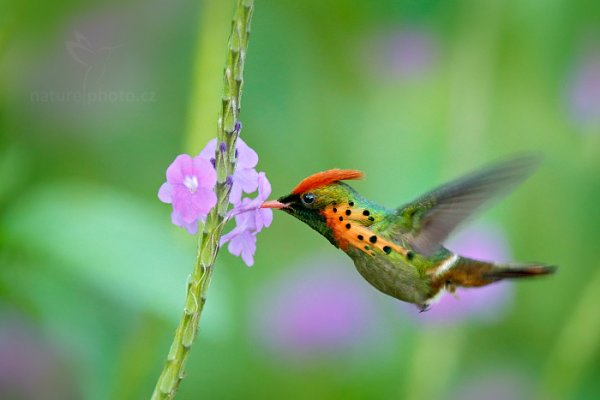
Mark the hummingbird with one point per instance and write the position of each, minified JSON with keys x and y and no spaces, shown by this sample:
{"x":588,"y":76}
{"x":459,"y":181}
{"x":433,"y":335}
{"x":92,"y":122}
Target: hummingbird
{"x":400,"y":251}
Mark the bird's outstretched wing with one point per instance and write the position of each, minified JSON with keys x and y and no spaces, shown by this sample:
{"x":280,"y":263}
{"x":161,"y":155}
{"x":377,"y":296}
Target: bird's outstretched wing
{"x":427,"y":221}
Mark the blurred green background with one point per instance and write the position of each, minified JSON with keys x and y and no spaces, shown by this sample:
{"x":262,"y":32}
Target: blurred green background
{"x":92,"y":272}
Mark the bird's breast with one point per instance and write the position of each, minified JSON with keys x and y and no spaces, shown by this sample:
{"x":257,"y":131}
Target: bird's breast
{"x":393,"y":276}
{"x":351,"y":229}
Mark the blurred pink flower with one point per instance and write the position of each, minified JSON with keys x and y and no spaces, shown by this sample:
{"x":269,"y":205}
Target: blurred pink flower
{"x":316,"y":309}
{"x":485,"y":303}
{"x":190,"y":189}
{"x":30,"y":367}
{"x":584,"y":87}
{"x":406,"y":52}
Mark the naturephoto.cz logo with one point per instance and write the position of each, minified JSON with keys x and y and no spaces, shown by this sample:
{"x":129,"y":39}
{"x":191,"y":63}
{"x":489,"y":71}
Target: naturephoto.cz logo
{"x":93,"y":61}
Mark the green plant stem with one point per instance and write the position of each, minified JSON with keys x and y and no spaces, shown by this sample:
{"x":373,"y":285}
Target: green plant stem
{"x":174,"y":369}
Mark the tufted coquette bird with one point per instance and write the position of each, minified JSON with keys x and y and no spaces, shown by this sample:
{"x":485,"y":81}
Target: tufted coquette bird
{"x":400,"y":251}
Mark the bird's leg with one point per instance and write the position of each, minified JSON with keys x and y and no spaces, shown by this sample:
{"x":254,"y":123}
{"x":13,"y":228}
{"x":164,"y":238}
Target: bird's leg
{"x":423,"y":307}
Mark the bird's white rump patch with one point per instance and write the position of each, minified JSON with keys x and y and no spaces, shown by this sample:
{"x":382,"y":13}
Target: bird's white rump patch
{"x":446,"y":264}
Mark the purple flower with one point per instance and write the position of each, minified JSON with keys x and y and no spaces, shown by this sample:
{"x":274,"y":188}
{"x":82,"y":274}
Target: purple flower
{"x":412,"y":51}
{"x":191,"y":227}
{"x":245,"y":177}
{"x":318,"y":309}
{"x":31,"y":367}
{"x":250,"y":219}
{"x":406,"y":52}
{"x":485,"y":303}
{"x":190,"y":189}
{"x":584,"y":87}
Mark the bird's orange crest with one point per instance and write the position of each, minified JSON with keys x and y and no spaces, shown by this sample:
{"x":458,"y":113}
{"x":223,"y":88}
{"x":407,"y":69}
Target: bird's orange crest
{"x":325,"y":178}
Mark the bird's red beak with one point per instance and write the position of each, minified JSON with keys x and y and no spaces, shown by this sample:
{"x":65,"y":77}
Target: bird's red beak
{"x":273,"y":204}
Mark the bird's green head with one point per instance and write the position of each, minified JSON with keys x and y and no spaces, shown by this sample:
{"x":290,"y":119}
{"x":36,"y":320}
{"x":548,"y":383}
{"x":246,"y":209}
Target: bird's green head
{"x":315,"y":196}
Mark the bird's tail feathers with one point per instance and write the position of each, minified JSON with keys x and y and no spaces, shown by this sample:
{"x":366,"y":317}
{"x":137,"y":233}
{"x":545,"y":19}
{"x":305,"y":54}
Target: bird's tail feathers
{"x":467,"y":272}
{"x":516,"y":271}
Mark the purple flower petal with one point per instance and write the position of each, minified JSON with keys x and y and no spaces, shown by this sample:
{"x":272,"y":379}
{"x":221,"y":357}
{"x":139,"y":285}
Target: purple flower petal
{"x":246,"y":220}
{"x":204,"y":200}
{"x":204,"y":171}
{"x":246,"y":180}
{"x":263,"y":218}
{"x":209,"y":150}
{"x":243,"y":244}
{"x":264,"y":191}
{"x":192,"y":227}
{"x":181,"y":167}
{"x":230,"y":235}
{"x":235,"y":195}
{"x":165,"y":193}
{"x":184,"y":204}
{"x":242,"y":239}
{"x":264,"y":187}
{"x":247,"y":157}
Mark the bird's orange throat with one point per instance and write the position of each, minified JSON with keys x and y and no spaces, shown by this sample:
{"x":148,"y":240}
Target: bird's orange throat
{"x":350,"y":227}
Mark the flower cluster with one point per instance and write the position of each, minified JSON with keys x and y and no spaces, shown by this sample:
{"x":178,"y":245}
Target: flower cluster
{"x":190,"y":189}
{"x":315,"y":311}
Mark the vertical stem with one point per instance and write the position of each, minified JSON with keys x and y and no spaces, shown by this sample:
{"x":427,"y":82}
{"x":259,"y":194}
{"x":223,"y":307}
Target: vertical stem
{"x":228,"y":129}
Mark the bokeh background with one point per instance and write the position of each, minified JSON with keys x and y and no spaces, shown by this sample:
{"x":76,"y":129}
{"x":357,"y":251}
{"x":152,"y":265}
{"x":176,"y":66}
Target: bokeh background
{"x":92,"y":272}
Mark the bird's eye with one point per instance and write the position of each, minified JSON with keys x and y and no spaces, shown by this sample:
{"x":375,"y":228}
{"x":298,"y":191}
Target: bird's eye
{"x":308,"y":198}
